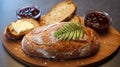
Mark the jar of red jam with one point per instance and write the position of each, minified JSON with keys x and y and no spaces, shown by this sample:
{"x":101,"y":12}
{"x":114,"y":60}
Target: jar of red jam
{"x":97,"y":20}
{"x":29,"y":12}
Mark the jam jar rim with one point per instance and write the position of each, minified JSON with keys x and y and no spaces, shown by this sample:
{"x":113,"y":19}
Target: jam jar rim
{"x":34,"y":17}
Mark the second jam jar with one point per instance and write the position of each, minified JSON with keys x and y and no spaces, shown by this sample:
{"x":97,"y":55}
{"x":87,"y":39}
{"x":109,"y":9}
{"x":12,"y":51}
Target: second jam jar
{"x":97,"y":20}
{"x":29,"y":12}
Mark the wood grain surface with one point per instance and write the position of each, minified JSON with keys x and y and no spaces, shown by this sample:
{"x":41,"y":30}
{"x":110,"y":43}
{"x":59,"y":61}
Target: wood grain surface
{"x":109,"y":43}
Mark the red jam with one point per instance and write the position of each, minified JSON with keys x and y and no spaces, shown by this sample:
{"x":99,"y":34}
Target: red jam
{"x":97,"y":20}
{"x":29,"y":12}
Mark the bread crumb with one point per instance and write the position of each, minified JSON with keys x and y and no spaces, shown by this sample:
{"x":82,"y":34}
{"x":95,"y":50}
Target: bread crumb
{"x":45,"y":63}
{"x":82,"y":63}
{"x":16,"y":48}
{"x":104,"y":42}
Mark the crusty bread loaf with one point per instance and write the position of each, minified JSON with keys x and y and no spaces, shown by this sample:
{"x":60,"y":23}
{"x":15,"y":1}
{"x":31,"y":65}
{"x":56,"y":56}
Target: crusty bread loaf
{"x":60,"y":12}
{"x":41,"y":42}
{"x":12,"y":34}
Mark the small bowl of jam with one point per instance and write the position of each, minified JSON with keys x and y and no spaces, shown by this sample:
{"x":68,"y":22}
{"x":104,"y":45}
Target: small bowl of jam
{"x":29,"y":12}
{"x":97,"y":20}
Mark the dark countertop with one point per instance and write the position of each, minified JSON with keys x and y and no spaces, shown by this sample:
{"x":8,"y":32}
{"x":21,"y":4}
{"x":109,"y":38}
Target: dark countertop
{"x":8,"y":14}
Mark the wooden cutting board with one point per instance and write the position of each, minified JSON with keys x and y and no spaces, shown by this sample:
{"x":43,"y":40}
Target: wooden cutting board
{"x":109,"y":43}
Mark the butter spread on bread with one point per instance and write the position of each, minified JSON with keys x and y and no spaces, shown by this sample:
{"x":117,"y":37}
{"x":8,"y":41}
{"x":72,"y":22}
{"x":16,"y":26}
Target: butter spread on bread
{"x":21,"y":26}
{"x":17,"y":29}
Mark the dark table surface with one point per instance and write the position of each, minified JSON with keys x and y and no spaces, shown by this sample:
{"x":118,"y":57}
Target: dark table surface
{"x":8,"y":14}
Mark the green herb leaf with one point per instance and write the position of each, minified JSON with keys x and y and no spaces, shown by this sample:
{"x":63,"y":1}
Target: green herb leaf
{"x":70,"y":31}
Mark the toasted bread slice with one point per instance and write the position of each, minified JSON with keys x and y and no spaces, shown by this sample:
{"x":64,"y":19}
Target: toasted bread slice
{"x":60,"y":12}
{"x":75,"y":19}
{"x":12,"y":33}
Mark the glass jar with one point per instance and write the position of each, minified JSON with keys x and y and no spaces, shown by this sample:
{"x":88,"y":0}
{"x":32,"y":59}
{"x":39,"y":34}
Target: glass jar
{"x":97,"y":20}
{"x":29,"y":12}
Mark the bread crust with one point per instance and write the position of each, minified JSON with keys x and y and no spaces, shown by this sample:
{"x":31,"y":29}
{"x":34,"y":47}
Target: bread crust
{"x":59,"y":49}
{"x":11,"y":34}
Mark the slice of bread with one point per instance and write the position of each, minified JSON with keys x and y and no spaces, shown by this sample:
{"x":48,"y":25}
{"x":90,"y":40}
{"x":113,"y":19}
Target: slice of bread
{"x":60,"y":12}
{"x":11,"y":32}
{"x":75,"y":19}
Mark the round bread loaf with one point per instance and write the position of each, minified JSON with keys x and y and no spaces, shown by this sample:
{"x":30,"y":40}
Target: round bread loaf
{"x":41,"y":42}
